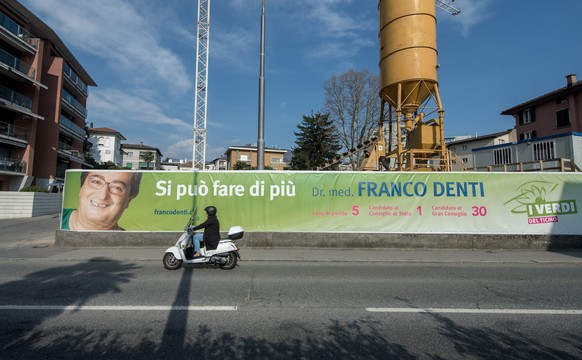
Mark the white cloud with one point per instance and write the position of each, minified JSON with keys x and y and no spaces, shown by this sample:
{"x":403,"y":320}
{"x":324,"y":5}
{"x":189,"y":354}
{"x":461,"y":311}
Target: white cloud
{"x":472,"y":13}
{"x":123,"y":109}
{"x":235,"y":47}
{"x":116,"y":32}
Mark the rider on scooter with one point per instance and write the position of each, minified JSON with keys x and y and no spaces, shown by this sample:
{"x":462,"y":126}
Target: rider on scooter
{"x":211,"y":234}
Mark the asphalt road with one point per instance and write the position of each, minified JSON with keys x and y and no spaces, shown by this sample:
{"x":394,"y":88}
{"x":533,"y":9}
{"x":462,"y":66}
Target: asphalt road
{"x":114,"y":303}
{"x":106,"y":308}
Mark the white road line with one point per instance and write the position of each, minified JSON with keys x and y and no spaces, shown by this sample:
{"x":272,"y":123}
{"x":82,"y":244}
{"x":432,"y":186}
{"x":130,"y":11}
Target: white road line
{"x":116,"y":308}
{"x":479,"y":311}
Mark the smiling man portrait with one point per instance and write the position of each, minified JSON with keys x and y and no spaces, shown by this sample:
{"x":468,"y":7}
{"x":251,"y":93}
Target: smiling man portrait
{"x":103,"y":198}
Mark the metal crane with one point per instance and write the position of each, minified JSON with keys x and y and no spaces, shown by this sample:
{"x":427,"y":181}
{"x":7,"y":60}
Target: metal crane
{"x":446,"y":6}
{"x":202,"y":42}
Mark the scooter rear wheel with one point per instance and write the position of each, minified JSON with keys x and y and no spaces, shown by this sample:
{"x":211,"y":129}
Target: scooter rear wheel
{"x":230,"y":262}
{"x":171,"y":262}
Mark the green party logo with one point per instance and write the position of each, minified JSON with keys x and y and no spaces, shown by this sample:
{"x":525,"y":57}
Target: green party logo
{"x":552,"y":208}
{"x":532,"y":199}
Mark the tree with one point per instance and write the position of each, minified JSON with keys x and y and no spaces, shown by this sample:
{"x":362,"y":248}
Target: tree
{"x":148,"y":157}
{"x":317,"y":142}
{"x":245,"y":165}
{"x":353,"y":104}
{"x":241,"y":165}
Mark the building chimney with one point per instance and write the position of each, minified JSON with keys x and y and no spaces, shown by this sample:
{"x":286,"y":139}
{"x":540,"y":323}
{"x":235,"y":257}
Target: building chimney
{"x":570,"y":79}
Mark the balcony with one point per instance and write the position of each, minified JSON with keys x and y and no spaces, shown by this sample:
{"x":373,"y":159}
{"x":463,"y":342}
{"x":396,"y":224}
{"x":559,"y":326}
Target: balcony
{"x":75,"y":80}
{"x":73,"y":128}
{"x":74,"y":104}
{"x":17,"y":35}
{"x":13,"y":132}
{"x":15,"y":98}
{"x":70,"y":153}
{"x":12,"y":165}
{"x":14,"y":63}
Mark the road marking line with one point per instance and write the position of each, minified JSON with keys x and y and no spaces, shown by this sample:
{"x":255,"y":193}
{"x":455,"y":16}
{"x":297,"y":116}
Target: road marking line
{"x":479,"y":311}
{"x":116,"y":308}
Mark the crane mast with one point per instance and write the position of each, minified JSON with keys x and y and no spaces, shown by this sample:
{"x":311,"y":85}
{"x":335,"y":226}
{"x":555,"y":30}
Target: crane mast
{"x":200,"y":97}
{"x":446,"y":6}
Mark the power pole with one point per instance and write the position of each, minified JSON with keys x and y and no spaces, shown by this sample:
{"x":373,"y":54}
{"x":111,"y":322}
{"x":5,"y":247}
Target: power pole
{"x":202,"y":42}
{"x":261,"y":137}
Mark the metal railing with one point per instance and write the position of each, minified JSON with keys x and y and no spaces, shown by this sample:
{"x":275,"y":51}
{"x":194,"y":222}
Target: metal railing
{"x":70,"y":99}
{"x":11,"y":26}
{"x":72,"y":126}
{"x":75,"y":79}
{"x":15,"y":63}
{"x":12,"y":165}
{"x":15,"y":98}
{"x":558,"y":165}
{"x":13,"y":131}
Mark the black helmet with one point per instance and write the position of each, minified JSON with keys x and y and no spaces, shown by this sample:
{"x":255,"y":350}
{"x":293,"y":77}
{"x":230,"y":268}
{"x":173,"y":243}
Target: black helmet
{"x":210,"y":210}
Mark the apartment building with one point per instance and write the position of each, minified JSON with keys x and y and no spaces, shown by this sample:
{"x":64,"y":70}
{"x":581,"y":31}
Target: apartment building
{"x":133,"y":157}
{"x":220,"y":163}
{"x":554,"y":113}
{"x":547,"y":135}
{"x":274,"y":158}
{"x":463,"y":148}
{"x":106,"y":145}
{"x":43,"y":97}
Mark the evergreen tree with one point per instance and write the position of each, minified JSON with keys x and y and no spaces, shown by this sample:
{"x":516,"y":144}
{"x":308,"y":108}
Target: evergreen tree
{"x":316,"y":143}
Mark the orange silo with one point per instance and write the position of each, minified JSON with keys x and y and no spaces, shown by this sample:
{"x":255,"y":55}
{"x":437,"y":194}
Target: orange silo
{"x":408,"y":80}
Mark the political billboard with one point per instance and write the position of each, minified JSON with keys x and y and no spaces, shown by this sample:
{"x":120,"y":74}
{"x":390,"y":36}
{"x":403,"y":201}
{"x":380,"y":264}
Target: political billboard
{"x":358,"y":202}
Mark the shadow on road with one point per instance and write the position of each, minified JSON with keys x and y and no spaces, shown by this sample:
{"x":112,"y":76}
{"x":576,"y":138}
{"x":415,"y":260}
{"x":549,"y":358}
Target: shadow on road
{"x":364,"y":338}
{"x":490,"y":343}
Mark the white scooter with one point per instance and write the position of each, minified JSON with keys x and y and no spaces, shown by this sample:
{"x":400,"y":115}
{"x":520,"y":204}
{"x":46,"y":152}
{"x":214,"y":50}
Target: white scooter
{"x":225,"y":255}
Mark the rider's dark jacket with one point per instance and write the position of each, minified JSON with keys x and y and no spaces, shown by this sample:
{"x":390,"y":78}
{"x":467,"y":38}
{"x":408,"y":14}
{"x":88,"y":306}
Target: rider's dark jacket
{"x":211,"y":232}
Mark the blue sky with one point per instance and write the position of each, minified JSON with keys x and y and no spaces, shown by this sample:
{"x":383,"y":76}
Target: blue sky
{"x":142,"y":54}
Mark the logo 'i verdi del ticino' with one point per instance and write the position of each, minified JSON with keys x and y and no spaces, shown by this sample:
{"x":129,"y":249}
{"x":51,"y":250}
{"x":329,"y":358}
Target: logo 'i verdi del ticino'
{"x":532,"y":199}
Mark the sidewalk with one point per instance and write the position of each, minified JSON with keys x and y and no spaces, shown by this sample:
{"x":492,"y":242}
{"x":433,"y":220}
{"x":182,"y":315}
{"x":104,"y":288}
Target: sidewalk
{"x":33,"y":238}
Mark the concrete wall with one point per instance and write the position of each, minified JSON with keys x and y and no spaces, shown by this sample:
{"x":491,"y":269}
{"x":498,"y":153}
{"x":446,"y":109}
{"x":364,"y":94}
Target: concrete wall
{"x":28,"y":204}
{"x":65,"y":238}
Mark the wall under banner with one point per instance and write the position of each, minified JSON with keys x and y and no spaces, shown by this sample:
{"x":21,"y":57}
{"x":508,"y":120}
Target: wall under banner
{"x":348,"y":202}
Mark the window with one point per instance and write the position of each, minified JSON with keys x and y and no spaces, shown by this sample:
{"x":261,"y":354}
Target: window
{"x":502,"y":156}
{"x":543,"y":151}
{"x":130,"y":154}
{"x":465,"y":160}
{"x":500,"y":141}
{"x":464,"y":147}
{"x":563,"y":118}
{"x":526,"y":116}
{"x":527,"y":135}
{"x":244,"y":157}
{"x":276,"y":160}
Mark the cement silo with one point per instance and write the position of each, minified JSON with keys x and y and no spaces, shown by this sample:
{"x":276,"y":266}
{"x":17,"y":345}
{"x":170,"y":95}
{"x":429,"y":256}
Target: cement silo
{"x":408,"y":82}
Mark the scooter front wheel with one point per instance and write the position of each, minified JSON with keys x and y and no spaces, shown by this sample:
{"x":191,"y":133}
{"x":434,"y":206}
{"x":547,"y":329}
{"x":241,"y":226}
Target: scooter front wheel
{"x":230,"y":261}
{"x":171,"y":262}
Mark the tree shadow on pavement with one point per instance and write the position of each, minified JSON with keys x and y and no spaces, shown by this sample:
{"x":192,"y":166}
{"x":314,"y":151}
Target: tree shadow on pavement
{"x":71,"y":286}
{"x":489,"y":343}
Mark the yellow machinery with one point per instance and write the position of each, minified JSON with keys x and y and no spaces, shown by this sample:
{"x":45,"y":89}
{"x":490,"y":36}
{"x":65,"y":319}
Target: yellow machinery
{"x":408,"y":83}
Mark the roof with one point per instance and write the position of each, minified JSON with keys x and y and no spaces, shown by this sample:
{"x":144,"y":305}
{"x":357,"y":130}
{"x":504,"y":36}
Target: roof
{"x":556,"y":94}
{"x":140,"y":147}
{"x":106,"y":130}
{"x":43,"y":31}
{"x":482,"y":137}
{"x":254,"y":148}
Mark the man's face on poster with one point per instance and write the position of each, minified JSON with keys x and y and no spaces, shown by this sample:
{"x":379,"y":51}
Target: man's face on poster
{"x":103,"y":197}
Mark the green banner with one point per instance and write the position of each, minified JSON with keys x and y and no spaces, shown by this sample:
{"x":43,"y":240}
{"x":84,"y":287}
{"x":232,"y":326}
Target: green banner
{"x":281,"y":201}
